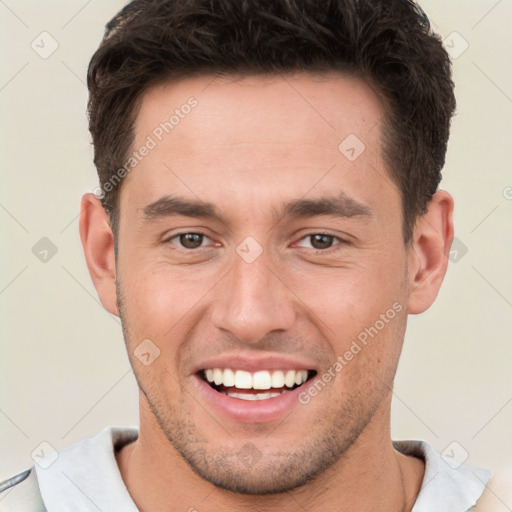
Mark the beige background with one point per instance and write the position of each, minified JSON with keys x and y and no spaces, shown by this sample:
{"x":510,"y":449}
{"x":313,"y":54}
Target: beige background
{"x":63,"y":368}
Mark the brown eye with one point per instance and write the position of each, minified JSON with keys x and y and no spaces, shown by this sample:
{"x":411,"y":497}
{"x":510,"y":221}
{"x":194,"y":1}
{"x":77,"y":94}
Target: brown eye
{"x":189,"y":240}
{"x":320,"y":241}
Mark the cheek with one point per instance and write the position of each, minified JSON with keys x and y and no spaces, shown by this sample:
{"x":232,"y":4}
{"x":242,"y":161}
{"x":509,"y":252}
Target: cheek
{"x":346,"y":300}
{"x":158,"y":297}
{"x":360,"y":311}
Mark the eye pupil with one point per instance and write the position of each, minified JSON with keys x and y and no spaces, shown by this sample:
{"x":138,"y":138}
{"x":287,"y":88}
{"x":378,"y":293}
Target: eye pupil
{"x":320,"y":241}
{"x":191,"y":240}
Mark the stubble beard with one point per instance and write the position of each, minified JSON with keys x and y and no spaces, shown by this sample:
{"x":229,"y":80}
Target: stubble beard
{"x":269,"y":472}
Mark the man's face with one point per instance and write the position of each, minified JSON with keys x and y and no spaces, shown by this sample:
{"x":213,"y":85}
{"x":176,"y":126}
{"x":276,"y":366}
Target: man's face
{"x":262,"y":288}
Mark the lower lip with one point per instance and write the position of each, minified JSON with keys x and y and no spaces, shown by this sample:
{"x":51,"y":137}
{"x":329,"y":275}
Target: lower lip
{"x":250,"y":411}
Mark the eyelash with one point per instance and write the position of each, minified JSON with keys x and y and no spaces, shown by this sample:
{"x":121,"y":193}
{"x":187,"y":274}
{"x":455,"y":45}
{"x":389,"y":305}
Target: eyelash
{"x":315,"y":251}
{"x":334,"y":247}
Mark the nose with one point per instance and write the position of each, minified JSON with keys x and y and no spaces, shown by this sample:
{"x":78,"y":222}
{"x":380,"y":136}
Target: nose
{"x":252,"y":301}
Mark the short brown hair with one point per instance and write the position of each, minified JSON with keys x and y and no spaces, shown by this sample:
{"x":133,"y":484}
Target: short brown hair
{"x":388,"y":43}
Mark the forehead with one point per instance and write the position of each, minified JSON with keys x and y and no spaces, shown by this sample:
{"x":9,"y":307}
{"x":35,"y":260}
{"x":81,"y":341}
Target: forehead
{"x":237,"y":109}
{"x":255,"y":137}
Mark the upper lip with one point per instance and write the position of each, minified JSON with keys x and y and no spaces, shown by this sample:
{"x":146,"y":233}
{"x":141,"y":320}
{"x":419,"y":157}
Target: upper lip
{"x":254,"y":363}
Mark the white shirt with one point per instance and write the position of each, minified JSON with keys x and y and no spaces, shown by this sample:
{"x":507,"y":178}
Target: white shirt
{"x":85,"y":477}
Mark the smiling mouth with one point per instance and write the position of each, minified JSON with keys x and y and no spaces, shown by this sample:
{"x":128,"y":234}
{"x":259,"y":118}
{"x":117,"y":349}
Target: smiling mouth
{"x":260,"y":385}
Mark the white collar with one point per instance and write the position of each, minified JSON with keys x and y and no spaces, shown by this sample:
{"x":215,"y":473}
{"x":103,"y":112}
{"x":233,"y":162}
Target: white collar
{"x":443,"y":487}
{"x":85,"y":477}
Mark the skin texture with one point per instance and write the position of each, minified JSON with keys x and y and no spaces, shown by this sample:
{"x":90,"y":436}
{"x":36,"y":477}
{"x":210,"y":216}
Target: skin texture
{"x":251,"y":145}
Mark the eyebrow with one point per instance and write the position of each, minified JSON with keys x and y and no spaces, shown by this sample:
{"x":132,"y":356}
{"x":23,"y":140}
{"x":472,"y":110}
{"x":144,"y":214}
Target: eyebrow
{"x":338,"y":206}
{"x":168,"y":206}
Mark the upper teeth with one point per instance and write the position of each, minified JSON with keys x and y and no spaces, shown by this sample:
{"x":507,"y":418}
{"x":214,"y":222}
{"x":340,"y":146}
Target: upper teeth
{"x":256,"y":380}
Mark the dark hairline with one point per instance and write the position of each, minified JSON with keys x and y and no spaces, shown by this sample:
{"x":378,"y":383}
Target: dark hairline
{"x":387,"y":43}
{"x":323,"y":71}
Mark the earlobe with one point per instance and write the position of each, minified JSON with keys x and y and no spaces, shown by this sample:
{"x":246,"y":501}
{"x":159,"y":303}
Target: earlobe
{"x":428,"y":256}
{"x":98,"y":244}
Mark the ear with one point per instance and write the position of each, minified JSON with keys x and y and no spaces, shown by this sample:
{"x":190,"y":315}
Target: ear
{"x":428,"y":256}
{"x":98,"y":244}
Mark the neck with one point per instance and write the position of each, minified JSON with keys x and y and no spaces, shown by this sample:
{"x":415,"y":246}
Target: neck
{"x":370,"y":476}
